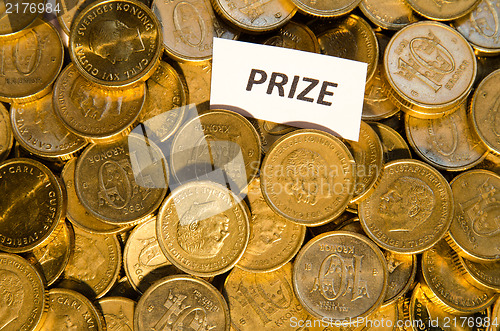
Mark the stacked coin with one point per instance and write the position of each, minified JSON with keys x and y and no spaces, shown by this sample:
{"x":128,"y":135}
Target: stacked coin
{"x":144,"y":209}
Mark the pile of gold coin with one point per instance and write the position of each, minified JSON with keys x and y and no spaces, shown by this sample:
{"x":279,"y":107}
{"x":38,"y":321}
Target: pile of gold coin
{"x":127,"y":204}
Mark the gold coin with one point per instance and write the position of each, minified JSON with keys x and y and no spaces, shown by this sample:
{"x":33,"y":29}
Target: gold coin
{"x":6,"y":136}
{"x":475,"y":229}
{"x":31,"y":62}
{"x":426,"y":316}
{"x":393,"y":145}
{"x":495,"y":316}
{"x":93,"y":111}
{"x":38,"y":130}
{"x":69,"y":310}
{"x":447,"y":142}
{"x":377,"y":105}
{"x":69,"y":10}
{"x":385,"y":318}
{"x":162,"y":114}
{"x":308,"y":177}
{"x":484,"y":106}
{"x":274,"y":240}
{"x":198,"y":80}
{"x":446,"y":286}
{"x":295,"y":36}
{"x":203,"y":228}
{"x":269,"y":132}
{"x":216,"y":145}
{"x":351,"y":38}
{"x":95,"y":262}
{"x":443,"y":10}
{"x":480,"y":27}
{"x":54,"y":256}
{"x":76,"y":213}
{"x":195,"y":26}
{"x":32,"y":206}
{"x":181,"y":302}
{"x":401,"y":268}
{"x":15,"y":19}
{"x":116,"y":42}
{"x":123,"y":181}
{"x":369,"y":157}
{"x":326,"y":8}
{"x":486,"y":274}
{"x":430,"y":67}
{"x":340,"y":269}
{"x":491,"y":162}
{"x":263,"y":300}
{"x":256,"y":16}
{"x":389,"y":14}
{"x":143,"y":260}
{"x":410,"y":210}
{"x":118,"y":313}
{"x":23,"y":299}
{"x":346,"y":219}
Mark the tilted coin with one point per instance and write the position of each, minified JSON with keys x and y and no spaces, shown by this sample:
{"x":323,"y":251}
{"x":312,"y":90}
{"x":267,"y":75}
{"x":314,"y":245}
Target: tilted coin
{"x":69,"y":10}
{"x":447,"y":142}
{"x":6,"y":137}
{"x":446,"y":286}
{"x":340,"y":270}
{"x":23,"y":299}
{"x":430,"y":67}
{"x":481,"y":27}
{"x":54,"y":256}
{"x":185,"y":301}
{"x":162,"y":114}
{"x":295,"y":36}
{"x":70,"y":310}
{"x":31,"y":62}
{"x":94,"y":111}
{"x":475,"y":229}
{"x":484,"y":109}
{"x":32,"y":207}
{"x":326,"y":8}
{"x":216,"y":145}
{"x":351,"y":38}
{"x":269,"y":132}
{"x":198,"y":80}
{"x":263,"y":300}
{"x":96,"y":261}
{"x":388,"y":14}
{"x":118,"y":313}
{"x":38,"y":130}
{"x":485,"y":274}
{"x":491,"y":162}
{"x":377,"y":104}
{"x":143,"y":260}
{"x":308,"y":177}
{"x":393,"y":145}
{"x":203,"y":228}
{"x":426,"y":316}
{"x":256,"y":15}
{"x":14,"y":20}
{"x":410,"y":210}
{"x":369,"y":157}
{"x":116,"y":42}
{"x":123,"y":181}
{"x":194,"y":24}
{"x":76,"y":213}
{"x":274,"y":240}
{"x":443,"y":10}
{"x":345,"y":219}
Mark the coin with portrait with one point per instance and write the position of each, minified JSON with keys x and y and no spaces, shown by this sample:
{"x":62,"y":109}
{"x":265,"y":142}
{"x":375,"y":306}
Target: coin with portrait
{"x":203,"y":228}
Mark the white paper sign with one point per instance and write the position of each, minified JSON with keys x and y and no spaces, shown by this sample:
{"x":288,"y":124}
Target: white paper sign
{"x":288,"y":86}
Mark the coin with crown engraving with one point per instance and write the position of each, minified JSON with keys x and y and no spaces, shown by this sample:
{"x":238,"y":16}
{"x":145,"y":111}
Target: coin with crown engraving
{"x":340,"y":269}
{"x":410,"y":210}
{"x":70,"y":310}
{"x":116,"y":42}
{"x":32,"y":207}
{"x":185,"y":301}
{"x":203,"y":228}
{"x":23,"y":300}
{"x":118,"y":313}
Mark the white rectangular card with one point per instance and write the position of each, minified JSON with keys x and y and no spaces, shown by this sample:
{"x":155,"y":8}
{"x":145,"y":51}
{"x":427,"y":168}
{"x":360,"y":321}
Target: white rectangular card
{"x":288,"y":86}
